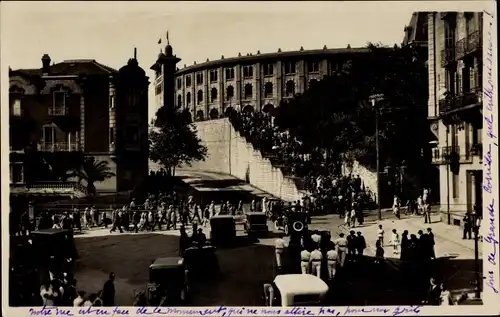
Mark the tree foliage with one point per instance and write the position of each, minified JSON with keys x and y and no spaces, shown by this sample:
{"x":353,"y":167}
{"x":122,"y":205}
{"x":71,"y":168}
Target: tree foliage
{"x":336,"y":114}
{"x":93,"y":171}
{"x":173,"y":140}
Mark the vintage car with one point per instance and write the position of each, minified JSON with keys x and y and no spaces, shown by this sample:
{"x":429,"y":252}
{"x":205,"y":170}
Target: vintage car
{"x":222,"y":229}
{"x":256,"y":223}
{"x":292,"y":222}
{"x":201,"y":261}
{"x":295,"y":290}
{"x":168,"y":282}
{"x":43,"y":242}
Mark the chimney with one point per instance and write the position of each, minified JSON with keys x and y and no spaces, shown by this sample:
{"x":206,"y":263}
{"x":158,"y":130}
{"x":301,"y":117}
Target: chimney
{"x":135,"y":52}
{"x":45,"y":64}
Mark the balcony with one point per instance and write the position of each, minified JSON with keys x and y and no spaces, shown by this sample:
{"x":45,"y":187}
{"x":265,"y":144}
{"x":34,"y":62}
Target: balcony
{"x":469,"y":45}
{"x":448,"y":56}
{"x":466,"y":100}
{"x":57,"y":111}
{"x":442,"y":155}
{"x":476,"y":150}
{"x":57,"y":147}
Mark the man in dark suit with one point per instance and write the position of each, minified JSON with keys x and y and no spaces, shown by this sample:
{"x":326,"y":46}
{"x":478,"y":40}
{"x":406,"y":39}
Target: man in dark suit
{"x":432,"y":243}
{"x":108,"y":291}
{"x":433,"y":294}
{"x":467,"y":226}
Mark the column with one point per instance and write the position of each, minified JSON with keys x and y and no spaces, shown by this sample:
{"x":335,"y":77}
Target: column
{"x":206,"y":86}
{"x":112,"y":115}
{"x":221,"y":93}
{"x":258,"y":87}
{"x":82,"y":122}
{"x":279,"y":82}
{"x":237,"y":89}
{"x":301,"y":83}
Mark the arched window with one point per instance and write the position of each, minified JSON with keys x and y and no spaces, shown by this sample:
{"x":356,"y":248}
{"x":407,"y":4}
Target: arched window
{"x":312,"y":83}
{"x":188,"y":98}
{"x":199,"y":98}
{"x":213,"y":94}
{"x":248,"y":91}
{"x":229,"y":92}
{"x":214,"y":114}
{"x":268,"y":90}
{"x":199,"y":115}
{"x":290,"y":88}
{"x":179,"y":100}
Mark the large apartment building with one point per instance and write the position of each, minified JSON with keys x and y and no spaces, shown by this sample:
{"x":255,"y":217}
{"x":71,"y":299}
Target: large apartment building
{"x":455,"y":108}
{"x":77,"y":108}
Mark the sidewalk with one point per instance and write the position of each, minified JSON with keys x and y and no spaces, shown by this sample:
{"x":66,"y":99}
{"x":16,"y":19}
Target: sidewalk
{"x":448,"y":238}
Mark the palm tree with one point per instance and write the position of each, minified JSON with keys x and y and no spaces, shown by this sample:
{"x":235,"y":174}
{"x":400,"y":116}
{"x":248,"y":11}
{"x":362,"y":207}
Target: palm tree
{"x":93,"y":171}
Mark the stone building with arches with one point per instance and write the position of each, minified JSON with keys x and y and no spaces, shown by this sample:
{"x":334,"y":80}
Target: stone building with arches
{"x":251,"y":82}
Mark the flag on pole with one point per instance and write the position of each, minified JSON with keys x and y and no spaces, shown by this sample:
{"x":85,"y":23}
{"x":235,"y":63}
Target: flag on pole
{"x":167,"y":38}
{"x":159,"y":41}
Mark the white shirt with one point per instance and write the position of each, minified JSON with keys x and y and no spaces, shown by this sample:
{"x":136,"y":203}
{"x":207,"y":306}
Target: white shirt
{"x":279,"y":243}
{"x":77,"y":302}
{"x":341,"y":243}
{"x":380,"y":233}
{"x":332,"y":255}
{"x":395,"y":238}
{"x":305,"y":255}
{"x":316,"y":255}
{"x":316,"y":238}
{"x":87,"y":303}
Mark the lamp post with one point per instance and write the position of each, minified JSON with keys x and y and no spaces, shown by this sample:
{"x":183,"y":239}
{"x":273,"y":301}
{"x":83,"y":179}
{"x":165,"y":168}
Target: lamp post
{"x":477,"y":282}
{"x":374,"y":99}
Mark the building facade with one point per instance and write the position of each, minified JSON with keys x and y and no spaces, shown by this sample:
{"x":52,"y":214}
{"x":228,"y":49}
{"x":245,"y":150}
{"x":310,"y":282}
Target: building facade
{"x":255,"y":82}
{"x":455,"y":108}
{"x":79,"y":106}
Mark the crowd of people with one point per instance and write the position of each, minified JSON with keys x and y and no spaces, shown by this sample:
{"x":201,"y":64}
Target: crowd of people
{"x":330,"y":191}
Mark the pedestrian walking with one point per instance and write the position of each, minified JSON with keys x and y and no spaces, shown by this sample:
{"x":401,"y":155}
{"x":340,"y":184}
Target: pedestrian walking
{"x":467,"y":231}
{"x":404,"y":246}
{"x":379,"y":252}
{"x":380,"y":234}
{"x":395,"y":241}
{"x":432,"y":243}
{"x":341,"y":244}
{"x":351,"y":244}
{"x":279,"y":245}
{"x":353,"y":218}
{"x":316,"y":259}
{"x":305,"y":260}
{"x":108,"y":291}
{"x":360,"y":244}
{"x":427,"y":213}
{"x":332,"y":258}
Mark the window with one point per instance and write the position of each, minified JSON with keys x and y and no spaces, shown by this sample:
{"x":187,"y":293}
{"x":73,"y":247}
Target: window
{"x":48,"y":134}
{"x":188,"y":81}
{"x":213,"y":75}
{"x":455,"y":185}
{"x":111,"y":135}
{"x":451,"y":81}
{"x":199,"y":78}
{"x":230,"y":92}
{"x":16,"y":108}
{"x":268,"y":69}
{"x":454,"y":136}
{"x":199,"y":98}
{"x":179,"y":101}
{"x":268,"y":90}
{"x":132,"y":136}
{"x":289,"y":67}
{"x":248,"y":91}
{"x":467,"y":72}
{"x":247,"y":71}
{"x":449,"y":34}
{"x":179,"y":83}
{"x":158,"y":89}
{"x":213,"y":94}
{"x":59,"y":100}
{"x":290,"y":88}
{"x":229,"y":73}
{"x":188,"y":98}
{"x":313,"y":66}
{"x":16,"y":171}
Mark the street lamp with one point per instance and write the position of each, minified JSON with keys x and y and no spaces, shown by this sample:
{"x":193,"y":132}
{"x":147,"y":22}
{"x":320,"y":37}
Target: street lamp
{"x":374,"y":99}
{"x":477,"y":282}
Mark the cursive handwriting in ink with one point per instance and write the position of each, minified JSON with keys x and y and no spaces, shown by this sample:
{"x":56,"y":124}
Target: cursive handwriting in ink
{"x":490,"y":121}
{"x":490,"y":237}
{"x":327,"y":311}
{"x":299,"y":311}
{"x":408,"y":310}
{"x":365,"y":310}
{"x":490,"y":281}
{"x":488,"y":160}
{"x":50,"y":311}
{"x":94,"y":311}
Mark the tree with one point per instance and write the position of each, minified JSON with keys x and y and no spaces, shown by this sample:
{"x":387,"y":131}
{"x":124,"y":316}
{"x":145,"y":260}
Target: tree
{"x":93,"y":171}
{"x":336,"y":113}
{"x":173,"y":140}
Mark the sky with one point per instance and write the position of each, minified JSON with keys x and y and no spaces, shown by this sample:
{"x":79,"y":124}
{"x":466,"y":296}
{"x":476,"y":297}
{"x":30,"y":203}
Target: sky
{"x":109,"y":31}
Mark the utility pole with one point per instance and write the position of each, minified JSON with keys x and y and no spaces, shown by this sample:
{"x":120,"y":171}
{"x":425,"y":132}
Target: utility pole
{"x":374,"y":99}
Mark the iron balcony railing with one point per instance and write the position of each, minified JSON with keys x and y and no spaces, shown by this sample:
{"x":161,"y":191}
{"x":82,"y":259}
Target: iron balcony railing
{"x":441,"y":155}
{"x":57,"y":147}
{"x":453,"y":102}
{"x":448,"y":55}
{"x":469,"y":44}
{"x":57,"y":111}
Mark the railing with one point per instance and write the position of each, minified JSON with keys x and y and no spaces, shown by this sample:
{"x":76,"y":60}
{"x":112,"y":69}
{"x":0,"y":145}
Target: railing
{"x":57,"y":147}
{"x":469,"y":44}
{"x":52,"y":185}
{"x":454,"y":102}
{"x":441,"y":155}
{"x":57,"y":111}
{"x":448,"y":55}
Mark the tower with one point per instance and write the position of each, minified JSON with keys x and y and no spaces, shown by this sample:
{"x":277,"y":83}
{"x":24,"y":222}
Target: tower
{"x":165,"y":68}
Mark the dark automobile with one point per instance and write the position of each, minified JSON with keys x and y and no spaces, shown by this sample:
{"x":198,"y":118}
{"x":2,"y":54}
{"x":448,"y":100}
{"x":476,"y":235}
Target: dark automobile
{"x":54,"y":245}
{"x":168,"y":282}
{"x":256,"y":223}
{"x":201,"y":261}
{"x":223,"y":230}
{"x":295,"y":222}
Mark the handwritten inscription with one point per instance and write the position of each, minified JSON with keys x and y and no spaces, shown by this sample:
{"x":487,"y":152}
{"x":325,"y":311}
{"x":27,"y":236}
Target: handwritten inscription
{"x":489,"y":215}
{"x":226,"y":311}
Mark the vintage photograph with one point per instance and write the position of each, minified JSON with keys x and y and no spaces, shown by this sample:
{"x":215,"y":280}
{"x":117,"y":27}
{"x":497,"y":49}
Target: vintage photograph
{"x":243,"y":154}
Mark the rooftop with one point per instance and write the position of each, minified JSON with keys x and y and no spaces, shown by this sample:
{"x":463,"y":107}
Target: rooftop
{"x":72,"y":67}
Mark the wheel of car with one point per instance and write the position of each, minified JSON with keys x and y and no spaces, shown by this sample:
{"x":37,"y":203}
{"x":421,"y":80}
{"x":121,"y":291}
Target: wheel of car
{"x":286,"y":229}
{"x":298,"y":226}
